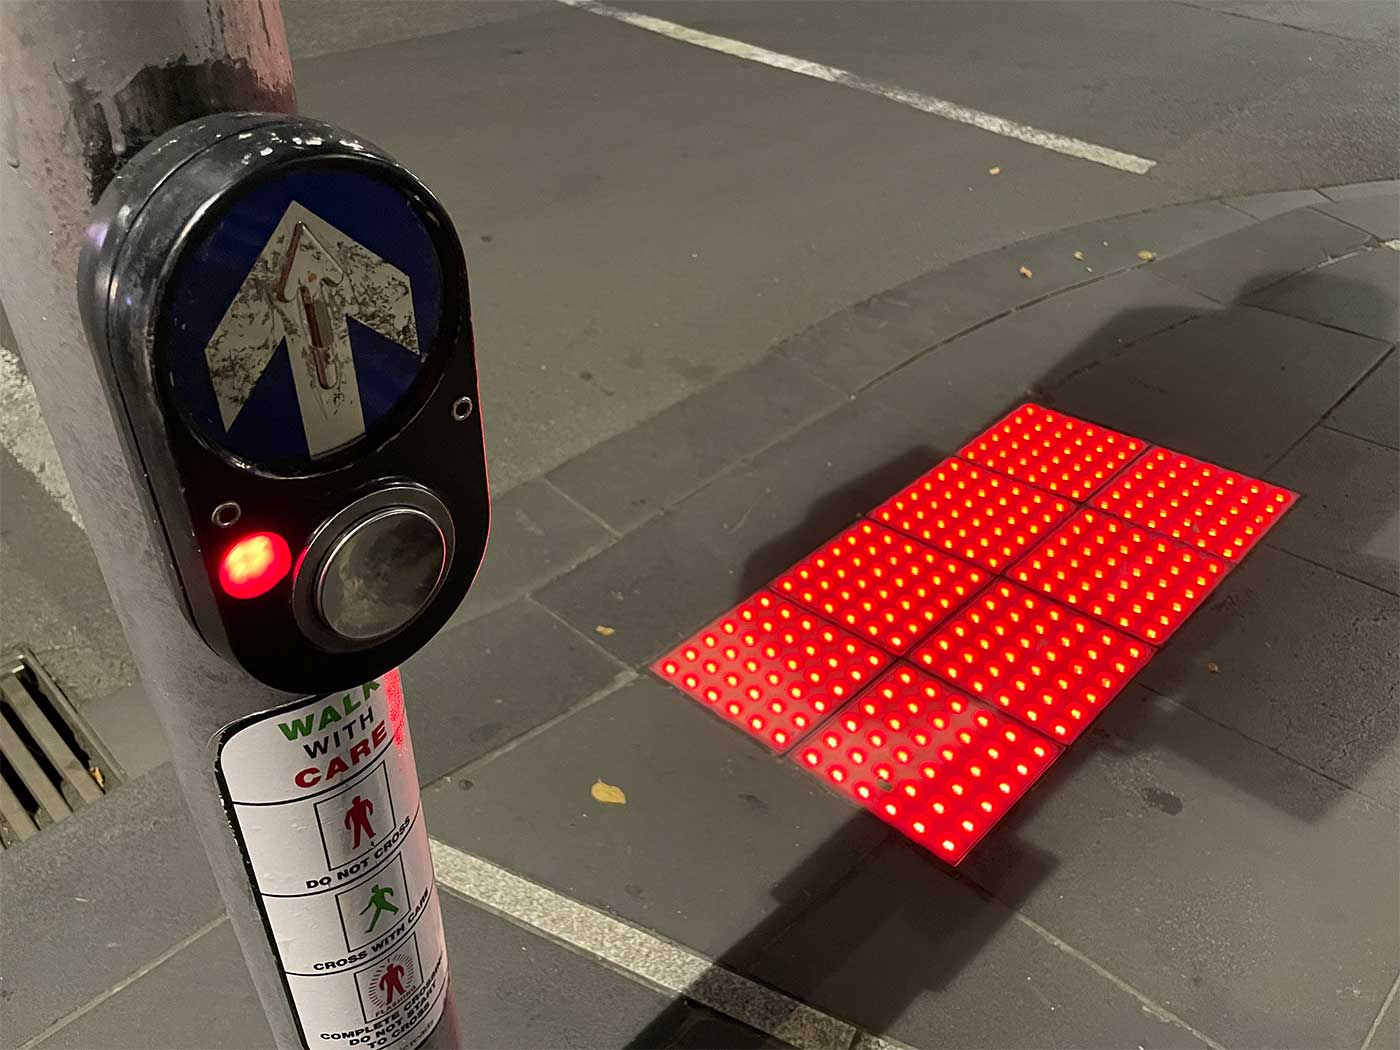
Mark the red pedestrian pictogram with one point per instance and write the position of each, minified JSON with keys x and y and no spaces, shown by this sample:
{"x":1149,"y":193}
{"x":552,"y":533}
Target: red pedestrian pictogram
{"x":391,"y":983}
{"x":357,"y":819}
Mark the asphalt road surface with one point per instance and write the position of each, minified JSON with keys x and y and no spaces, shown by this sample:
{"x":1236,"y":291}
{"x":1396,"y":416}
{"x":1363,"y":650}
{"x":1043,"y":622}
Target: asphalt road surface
{"x":644,"y":215}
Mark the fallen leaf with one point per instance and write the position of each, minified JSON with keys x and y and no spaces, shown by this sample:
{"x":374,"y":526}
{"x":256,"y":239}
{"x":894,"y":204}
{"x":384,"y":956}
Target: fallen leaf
{"x":97,"y":776}
{"x":1079,"y":256}
{"x":605,"y":631}
{"x":1025,"y":271}
{"x":1145,"y":255}
{"x":613,"y":796}
{"x":993,"y":171}
{"x":1213,"y":668}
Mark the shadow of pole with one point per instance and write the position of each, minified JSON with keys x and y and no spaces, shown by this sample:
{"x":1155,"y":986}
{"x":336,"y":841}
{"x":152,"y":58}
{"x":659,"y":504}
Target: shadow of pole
{"x":865,"y":946}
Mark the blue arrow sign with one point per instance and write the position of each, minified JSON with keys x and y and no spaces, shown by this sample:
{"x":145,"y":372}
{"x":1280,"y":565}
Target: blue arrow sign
{"x":300,"y":318}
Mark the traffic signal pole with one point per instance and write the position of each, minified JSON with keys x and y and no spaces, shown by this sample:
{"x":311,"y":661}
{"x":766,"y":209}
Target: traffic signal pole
{"x":83,"y":88}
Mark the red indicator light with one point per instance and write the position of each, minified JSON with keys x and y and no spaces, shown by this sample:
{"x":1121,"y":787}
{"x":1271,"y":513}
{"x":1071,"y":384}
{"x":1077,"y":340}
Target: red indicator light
{"x":946,"y":768}
{"x":1123,"y":575}
{"x":880,"y":585}
{"x":1047,"y":665}
{"x":1196,"y":502}
{"x":254,"y":565}
{"x":773,"y":668}
{"x":974,"y":513}
{"x":1070,"y":457}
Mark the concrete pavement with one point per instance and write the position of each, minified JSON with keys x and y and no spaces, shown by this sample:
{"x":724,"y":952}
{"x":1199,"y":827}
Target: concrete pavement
{"x":645,"y":218}
{"x":1214,"y":864}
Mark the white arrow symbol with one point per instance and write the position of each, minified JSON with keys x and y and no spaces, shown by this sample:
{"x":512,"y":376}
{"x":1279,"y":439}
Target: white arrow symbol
{"x":305,"y":283}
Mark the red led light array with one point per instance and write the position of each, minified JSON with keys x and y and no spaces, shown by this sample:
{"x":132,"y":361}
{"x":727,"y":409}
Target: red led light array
{"x":773,"y":668}
{"x":1124,"y":575}
{"x":974,"y":513}
{"x":1196,"y":502}
{"x":941,"y":768}
{"x":1051,"y":667}
{"x":881,"y":585}
{"x":1067,"y":456}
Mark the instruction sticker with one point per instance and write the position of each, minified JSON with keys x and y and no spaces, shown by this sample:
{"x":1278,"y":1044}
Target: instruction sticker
{"x":323,"y":797}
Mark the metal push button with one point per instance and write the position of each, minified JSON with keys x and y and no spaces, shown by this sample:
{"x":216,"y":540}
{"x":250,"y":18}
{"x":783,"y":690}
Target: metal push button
{"x":381,"y":574}
{"x":373,"y":567}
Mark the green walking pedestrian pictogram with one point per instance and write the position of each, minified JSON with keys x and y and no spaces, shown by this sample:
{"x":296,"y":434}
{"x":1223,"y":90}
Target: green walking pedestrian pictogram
{"x":379,"y":901}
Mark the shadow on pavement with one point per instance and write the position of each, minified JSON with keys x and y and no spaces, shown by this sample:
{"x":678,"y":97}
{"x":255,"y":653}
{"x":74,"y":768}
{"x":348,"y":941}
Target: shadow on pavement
{"x":869,"y":946}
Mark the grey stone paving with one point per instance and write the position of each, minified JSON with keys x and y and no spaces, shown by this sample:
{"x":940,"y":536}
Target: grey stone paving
{"x":1369,"y":410}
{"x":1205,"y":871}
{"x":983,"y":976}
{"x":1347,"y":521}
{"x":767,"y":840}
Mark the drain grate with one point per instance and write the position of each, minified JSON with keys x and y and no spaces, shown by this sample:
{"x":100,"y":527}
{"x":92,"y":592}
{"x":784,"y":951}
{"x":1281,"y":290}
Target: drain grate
{"x":51,"y":762}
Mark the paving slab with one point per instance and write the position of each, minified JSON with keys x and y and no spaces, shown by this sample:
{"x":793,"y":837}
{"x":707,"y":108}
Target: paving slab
{"x":723,"y":542}
{"x":1301,"y":659}
{"x":1360,"y":293}
{"x":966,"y":384}
{"x":1348,"y":517}
{"x":480,"y":684}
{"x":857,"y":345}
{"x":906,"y":948}
{"x":1372,"y":410}
{"x":511,"y":988}
{"x":1352,"y":190}
{"x":1239,"y":263}
{"x":163,"y":1009}
{"x":1107,"y":246}
{"x":95,"y":896}
{"x":718,"y":846}
{"x":1267,"y":205}
{"x":536,"y":533}
{"x":631,"y":476}
{"x":1379,"y":215}
{"x":55,"y":600}
{"x":1238,"y":387}
{"x":1186,"y":867}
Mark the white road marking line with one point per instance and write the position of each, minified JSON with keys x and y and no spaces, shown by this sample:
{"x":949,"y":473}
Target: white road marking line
{"x":24,"y":433}
{"x":642,"y":955}
{"x":1071,"y":147}
{"x":1380,"y":1015}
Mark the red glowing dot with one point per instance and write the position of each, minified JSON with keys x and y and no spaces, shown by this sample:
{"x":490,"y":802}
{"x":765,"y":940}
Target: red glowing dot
{"x":254,"y":565}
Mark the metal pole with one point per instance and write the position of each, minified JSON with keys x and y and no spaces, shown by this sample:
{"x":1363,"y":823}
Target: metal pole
{"x":82,"y":87}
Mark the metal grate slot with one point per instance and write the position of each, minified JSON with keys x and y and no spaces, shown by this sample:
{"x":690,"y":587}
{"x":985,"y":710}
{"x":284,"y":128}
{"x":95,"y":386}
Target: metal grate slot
{"x":51,"y":762}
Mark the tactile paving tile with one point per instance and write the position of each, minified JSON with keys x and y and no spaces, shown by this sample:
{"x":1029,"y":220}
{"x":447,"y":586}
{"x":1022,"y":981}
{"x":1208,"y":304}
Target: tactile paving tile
{"x":1064,"y":455}
{"x":1105,"y":546}
{"x":1196,"y":502}
{"x":773,"y":668}
{"x":974,"y":513}
{"x":1122,"y":574}
{"x":941,"y":768}
{"x":1051,"y":667}
{"x":881,"y":585}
